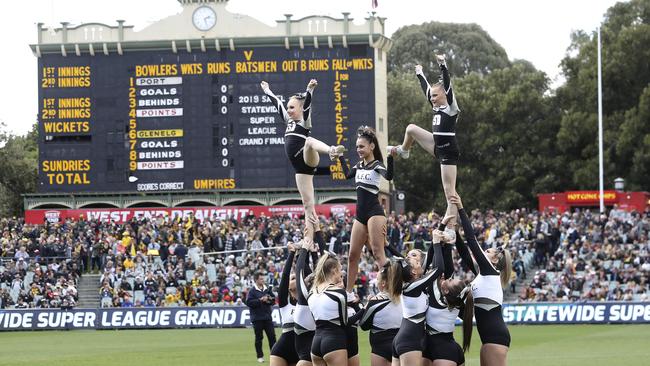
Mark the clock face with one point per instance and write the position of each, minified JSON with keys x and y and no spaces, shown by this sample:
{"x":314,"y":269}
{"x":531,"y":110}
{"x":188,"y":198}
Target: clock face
{"x":204,"y":18}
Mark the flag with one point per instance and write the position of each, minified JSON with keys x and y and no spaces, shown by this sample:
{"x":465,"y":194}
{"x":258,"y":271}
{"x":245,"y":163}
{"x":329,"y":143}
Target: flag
{"x":374,"y":4}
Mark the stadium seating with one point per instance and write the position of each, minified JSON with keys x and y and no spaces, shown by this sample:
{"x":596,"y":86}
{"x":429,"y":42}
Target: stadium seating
{"x":557,"y":257}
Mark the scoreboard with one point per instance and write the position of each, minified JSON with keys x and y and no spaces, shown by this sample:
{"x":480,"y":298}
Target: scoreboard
{"x":152,"y":121}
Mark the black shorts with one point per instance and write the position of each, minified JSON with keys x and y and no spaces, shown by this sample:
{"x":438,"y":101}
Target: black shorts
{"x":302,"y":344}
{"x":363,"y":216}
{"x":381,"y":343}
{"x":285,"y":347}
{"x":368,"y":206}
{"x":294,"y":147}
{"x":328,"y":338}
{"x":491,"y":327}
{"x":352,"y":339}
{"x":446,"y":151}
{"x":299,"y":165}
{"x":442,"y":346}
{"x":409,"y":338}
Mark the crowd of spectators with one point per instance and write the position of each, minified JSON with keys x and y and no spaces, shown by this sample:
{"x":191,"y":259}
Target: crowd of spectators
{"x":29,"y":279}
{"x":592,"y":257}
{"x":163,"y":261}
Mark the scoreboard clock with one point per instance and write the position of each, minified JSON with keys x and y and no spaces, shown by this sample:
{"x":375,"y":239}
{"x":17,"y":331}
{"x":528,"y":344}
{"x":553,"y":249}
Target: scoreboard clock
{"x":152,"y":121}
{"x":204,"y":18}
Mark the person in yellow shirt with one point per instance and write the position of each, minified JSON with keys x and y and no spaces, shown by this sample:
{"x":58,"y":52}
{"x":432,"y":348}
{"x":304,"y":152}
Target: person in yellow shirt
{"x":172,"y":299}
{"x":197,"y":241}
{"x":128,"y":243}
{"x":128,"y":263}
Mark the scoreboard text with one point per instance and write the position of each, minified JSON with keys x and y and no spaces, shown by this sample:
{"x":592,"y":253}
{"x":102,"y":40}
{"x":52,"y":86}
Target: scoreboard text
{"x":160,"y":121}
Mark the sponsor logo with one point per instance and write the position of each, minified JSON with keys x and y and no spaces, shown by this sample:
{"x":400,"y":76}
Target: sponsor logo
{"x":53,"y":216}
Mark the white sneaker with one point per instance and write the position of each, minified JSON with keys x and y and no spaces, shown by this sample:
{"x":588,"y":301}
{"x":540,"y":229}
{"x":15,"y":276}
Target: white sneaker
{"x":336,"y":151}
{"x":451,"y":234}
{"x":260,"y":360}
{"x":404,"y":154}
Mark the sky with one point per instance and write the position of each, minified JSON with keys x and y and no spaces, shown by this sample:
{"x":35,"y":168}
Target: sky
{"x":537,"y":31}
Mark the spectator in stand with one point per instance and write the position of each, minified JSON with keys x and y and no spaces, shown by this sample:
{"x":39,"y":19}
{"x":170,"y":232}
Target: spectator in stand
{"x":21,"y":254}
{"x":180,"y":251}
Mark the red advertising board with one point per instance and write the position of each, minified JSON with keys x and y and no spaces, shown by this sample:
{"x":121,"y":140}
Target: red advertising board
{"x":121,"y":215}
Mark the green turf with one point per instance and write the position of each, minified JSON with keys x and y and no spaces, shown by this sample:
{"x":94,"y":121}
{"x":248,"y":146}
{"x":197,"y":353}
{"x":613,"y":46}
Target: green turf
{"x":591,"y":345}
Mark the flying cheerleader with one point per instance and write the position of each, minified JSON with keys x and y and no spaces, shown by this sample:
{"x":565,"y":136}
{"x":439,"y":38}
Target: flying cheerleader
{"x":302,"y":150}
{"x":441,"y":142}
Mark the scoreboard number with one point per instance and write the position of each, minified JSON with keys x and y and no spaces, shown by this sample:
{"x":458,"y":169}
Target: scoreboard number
{"x":181,"y":120}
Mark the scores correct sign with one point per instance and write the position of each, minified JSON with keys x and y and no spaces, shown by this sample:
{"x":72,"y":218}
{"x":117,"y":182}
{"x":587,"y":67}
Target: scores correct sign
{"x":162,"y":121}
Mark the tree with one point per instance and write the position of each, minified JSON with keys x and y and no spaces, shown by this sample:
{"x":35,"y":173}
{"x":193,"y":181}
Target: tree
{"x":467,"y":46}
{"x":625,"y":34}
{"x":634,"y":142}
{"x":506,"y":133}
{"x":19,"y":167}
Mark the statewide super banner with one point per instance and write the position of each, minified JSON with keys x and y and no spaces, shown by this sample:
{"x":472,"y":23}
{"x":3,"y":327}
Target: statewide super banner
{"x":122,"y":215}
{"x":239,"y":316}
{"x":577,"y":313}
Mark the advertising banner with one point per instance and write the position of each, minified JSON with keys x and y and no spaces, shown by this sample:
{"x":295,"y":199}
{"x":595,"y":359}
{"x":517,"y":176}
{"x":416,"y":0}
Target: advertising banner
{"x":577,"y":313}
{"x":122,"y":215}
{"x":239,"y":316}
{"x":128,"y":318}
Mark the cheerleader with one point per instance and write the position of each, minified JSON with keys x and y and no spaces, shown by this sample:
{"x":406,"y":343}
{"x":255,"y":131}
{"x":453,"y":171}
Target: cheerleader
{"x":284,"y":351}
{"x":303,"y":319}
{"x":328,"y":304}
{"x":449,"y":298}
{"x":493,"y":274}
{"x":370,"y":224}
{"x":411,"y":279}
{"x":301,"y":149}
{"x":382,"y":316}
{"x":441,"y":142}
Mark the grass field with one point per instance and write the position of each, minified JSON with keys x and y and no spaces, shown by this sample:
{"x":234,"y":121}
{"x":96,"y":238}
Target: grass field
{"x":591,"y":345}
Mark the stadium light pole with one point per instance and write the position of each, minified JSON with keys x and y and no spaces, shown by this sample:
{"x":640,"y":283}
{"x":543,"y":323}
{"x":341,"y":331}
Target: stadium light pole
{"x":601,"y":189}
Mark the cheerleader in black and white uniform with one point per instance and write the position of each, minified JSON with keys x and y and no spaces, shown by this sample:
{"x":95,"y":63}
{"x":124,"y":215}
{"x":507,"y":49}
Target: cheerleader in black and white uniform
{"x":284,"y":350}
{"x":493,"y":274}
{"x":305,"y":326}
{"x":301,"y":149}
{"x":441,"y":141}
{"x":410,"y":277}
{"x":370,"y":223}
{"x":382,"y":316}
{"x":449,"y":298}
{"x":328,"y":304}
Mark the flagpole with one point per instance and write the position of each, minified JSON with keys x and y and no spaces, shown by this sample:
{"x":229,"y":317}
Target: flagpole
{"x":600,"y":132}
